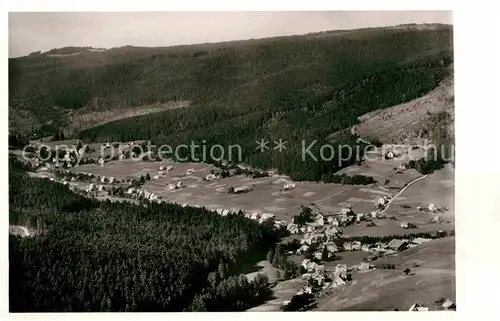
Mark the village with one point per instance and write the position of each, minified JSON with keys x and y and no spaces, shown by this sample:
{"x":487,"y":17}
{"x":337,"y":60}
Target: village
{"x":320,"y":234}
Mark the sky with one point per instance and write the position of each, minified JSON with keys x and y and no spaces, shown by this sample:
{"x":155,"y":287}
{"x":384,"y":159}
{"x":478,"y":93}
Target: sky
{"x":33,"y":31}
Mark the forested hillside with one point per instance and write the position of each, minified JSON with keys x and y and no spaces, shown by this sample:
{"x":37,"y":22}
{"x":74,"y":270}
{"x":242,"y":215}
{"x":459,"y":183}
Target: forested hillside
{"x":295,"y":88}
{"x":102,"y":256}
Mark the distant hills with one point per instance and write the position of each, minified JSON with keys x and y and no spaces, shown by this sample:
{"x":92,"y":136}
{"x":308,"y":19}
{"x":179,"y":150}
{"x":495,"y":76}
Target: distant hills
{"x":296,"y":87}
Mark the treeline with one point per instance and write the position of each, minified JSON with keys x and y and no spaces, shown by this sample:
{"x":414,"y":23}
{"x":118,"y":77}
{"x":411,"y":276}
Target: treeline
{"x":17,"y":140}
{"x":426,"y":165}
{"x":385,"y":239}
{"x":279,"y":259}
{"x":348,"y":180}
{"x":438,"y":129}
{"x":305,"y":216}
{"x":102,"y":256}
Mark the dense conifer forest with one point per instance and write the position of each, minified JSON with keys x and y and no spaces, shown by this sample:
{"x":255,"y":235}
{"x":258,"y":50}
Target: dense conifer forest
{"x":88,"y":255}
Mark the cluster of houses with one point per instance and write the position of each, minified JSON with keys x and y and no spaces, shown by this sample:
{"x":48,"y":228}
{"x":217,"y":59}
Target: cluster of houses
{"x":255,"y":216}
{"x":344,"y":218}
{"x":319,"y":279}
{"x":93,"y":187}
{"x":140,"y":193}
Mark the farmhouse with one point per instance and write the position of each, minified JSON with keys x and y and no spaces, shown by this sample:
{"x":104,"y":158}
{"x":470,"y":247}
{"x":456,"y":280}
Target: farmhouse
{"x":319,"y":220}
{"x":210,"y":177}
{"x":376,"y":214}
{"x":347,"y":211}
{"x":255,"y":216}
{"x":319,"y":277}
{"x":381,"y":201}
{"x":449,"y":305}
{"x":436,"y":219}
{"x":190,"y":171}
{"x":330,"y":219}
{"x":366,"y":247}
{"x":309,"y":265}
{"x":303,"y":249}
{"x":432,"y":208}
{"x":356,"y":245}
{"x":243,"y":189}
{"x":293,"y":228}
{"x":363,"y":266}
{"x":289,"y":186}
{"x":398,"y":245}
{"x":360,"y":217}
{"x":417,"y":307}
{"x":338,"y":281}
{"x":331,"y":247}
{"x":407,"y":225}
{"x":171,"y":187}
{"x":307,"y":240}
{"x":318,"y":255}
{"x":156,"y":177}
{"x":101,"y":161}
{"x":279,"y":224}
{"x":266,"y":216}
{"x":347,"y":246}
{"x":332,"y":232}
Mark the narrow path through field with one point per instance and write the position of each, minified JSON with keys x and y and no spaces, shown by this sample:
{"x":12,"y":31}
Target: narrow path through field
{"x":401,"y":191}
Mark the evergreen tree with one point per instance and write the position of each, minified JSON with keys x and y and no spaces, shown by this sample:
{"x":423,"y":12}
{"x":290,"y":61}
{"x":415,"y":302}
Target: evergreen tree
{"x":270,"y":255}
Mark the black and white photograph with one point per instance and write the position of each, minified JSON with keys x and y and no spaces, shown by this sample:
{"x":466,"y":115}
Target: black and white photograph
{"x":231,"y":161}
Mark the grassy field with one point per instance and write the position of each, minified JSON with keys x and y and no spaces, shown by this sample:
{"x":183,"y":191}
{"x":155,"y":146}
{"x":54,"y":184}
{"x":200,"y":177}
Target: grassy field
{"x":403,"y":122}
{"x":432,"y":277}
{"x":437,"y":188}
{"x":282,"y":291}
{"x":267,"y":194}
